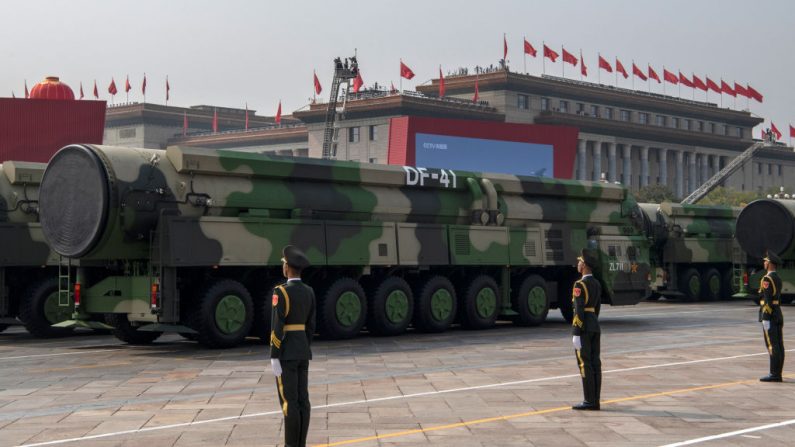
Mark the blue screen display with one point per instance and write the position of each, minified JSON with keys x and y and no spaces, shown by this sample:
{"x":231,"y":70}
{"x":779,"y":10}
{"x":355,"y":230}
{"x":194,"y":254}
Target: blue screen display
{"x":481,"y":155}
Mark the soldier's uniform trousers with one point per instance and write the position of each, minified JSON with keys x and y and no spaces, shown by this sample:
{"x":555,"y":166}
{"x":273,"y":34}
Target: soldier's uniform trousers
{"x":774,"y":342}
{"x":294,"y":397}
{"x":590,"y":366}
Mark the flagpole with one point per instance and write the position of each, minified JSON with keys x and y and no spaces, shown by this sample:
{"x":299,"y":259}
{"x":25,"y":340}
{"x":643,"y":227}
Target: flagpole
{"x":524,"y":54}
{"x":598,"y":68}
{"x":648,"y":80}
{"x":562,"y":64}
{"x":144,"y":92}
{"x":543,"y":58}
{"x":400,"y":78}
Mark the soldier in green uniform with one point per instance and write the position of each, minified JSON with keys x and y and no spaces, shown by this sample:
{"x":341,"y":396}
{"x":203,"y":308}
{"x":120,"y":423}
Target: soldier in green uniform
{"x":771,"y":317}
{"x":292,"y":327}
{"x":586,"y":301}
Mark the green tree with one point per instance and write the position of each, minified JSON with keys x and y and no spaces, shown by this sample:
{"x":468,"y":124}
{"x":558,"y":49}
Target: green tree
{"x":732,"y":197}
{"x":655,"y":194}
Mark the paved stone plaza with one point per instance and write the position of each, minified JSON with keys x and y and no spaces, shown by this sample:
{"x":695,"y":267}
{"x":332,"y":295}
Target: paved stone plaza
{"x":673,"y":372}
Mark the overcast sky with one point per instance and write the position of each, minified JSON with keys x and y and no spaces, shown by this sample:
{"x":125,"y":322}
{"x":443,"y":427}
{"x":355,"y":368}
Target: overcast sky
{"x":227,"y":53}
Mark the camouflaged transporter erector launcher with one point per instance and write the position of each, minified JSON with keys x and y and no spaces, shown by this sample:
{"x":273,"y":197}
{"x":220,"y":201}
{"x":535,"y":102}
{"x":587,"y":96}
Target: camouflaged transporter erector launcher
{"x":694,"y":254}
{"x":190,"y":240}
{"x":768,"y":224}
{"x":28,"y":282}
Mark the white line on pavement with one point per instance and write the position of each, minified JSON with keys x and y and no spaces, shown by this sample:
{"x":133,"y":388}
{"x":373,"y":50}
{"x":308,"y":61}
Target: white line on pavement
{"x":53,"y":355}
{"x":382,"y":399}
{"x":731,"y":433}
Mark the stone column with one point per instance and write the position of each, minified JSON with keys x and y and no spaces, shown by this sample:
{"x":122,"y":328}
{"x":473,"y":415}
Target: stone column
{"x":680,"y":174}
{"x":704,"y":169}
{"x":611,"y":162}
{"x":715,"y":163}
{"x":692,"y":172}
{"x":581,"y":161}
{"x":663,"y":160}
{"x":597,"y":161}
{"x":644,"y":166}
{"x":626,"y":175}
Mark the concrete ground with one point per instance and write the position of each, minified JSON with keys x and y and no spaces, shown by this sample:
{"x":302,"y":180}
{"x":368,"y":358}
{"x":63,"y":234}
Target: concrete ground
{"x":674,"y":374}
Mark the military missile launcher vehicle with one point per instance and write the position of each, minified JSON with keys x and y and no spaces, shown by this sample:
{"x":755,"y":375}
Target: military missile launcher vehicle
{"x":694,"y":254}
{"x":28,"y":282}
{"x":190,"y":240}
{"x":767,"y":224}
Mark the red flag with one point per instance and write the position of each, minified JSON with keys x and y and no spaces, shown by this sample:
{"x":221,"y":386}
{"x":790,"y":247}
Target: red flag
{"x":27,"y":94}
{"x":636,"y":71}
{"x":550,"y":53}
{"x":81,"y":90}
{"x":775,"y":130}
{"x":168,"y":89}
{"x":278,"y":118}
{"x":143,"y":86}
{"x":528,"y":49}
{"x":726,"y":88}
{"x":604,"y":65}
{"x":741,"y":91}
{"x":791,"y":131}
{"x":405,"y":71}
{"x":441,"y":83}
{"x":215,"y":120}
{"x":686,"y":82}
{"x":569,"y":58}
{"x":246,"y":116}
{"x":583,"y":68}
{"x":670,"y":77}
{"x":318,"y":88}
{"x":762,"y":134}
{"x":96,"y":91}
{"x":620,"y":68}
{"x":112,"y":87}
{"x":504,"y":48}
{"x":477,"y":91}
{"x":698,"y":83}
{"x":184,"y":123}
{"x":754,"y":94}
{"x":653,"y":75}
{"x":127,"y":86}
{"x":713,"y":86}
{"x":358,"y":82}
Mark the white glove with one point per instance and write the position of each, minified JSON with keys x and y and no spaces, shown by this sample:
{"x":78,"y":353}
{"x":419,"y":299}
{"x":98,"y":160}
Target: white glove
{"x":575,"y":340}
{"x":766,"y":324}
{"x":276,"y":366}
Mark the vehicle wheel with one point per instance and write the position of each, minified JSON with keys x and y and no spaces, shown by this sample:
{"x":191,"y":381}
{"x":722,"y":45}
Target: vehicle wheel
{"x":3,"y":327}
{"x":711,"y":285}
{"x":727,"y":284}
{"x":39,"y":310}
{"x":690,"y":285}
{"x":481,"y":304}
{"x":262,"y":302}
{"x":188,"y":336}
{"x":125,"y":332}
{"x":532,"y":301}
{"x":342,"y":311}
{"x":223,"y":314}
{"x":436,"y":305}
{"x":391,"y":307}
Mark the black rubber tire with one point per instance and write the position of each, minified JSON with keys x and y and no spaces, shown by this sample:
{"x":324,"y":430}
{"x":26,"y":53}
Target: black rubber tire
{"x":378,"y":322}
{"x":707,"y":293}
{"x":203,"y":317}
{"x":31,"y":310}
{"x":470,"y":317}
{"x":124,"y":331}
{"x":423,"y":313}
{"x":727,"y":284}
{"x":188,"y":336}
{"x":262,"y":300}
{"x":329,"y":326}
{"x":526,"y":317}
{"x":3,"y":327}
{"x":688,"y":294}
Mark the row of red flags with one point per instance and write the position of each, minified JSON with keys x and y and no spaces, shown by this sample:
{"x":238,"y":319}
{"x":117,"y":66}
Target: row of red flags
{"x":111,"y":88}
{"x":777,"y":132}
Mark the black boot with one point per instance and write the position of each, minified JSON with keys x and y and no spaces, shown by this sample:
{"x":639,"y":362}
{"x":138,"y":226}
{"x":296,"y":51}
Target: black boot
{"x":771,"y":378}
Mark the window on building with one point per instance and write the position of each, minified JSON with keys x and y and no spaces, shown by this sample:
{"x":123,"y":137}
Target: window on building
{"x":711,"y":127}
{"x":373,"y":160}
{"x":770,"y":169}
{"x":740,"y":132}
{"x":564,"y":106}
{"x":522,"y":102}
{"x":779,"y":170}
{"x":675,"y":122}
{"x":594,"y":110}
{"x":544,"y":103}
{"x":127,"y":133}
{"x":643,"y":118}
{"x":660,"y":120}
{"x":626,"y":115}
{"x":580,"y":108}
{"x":608,"y":113}
{"x":687,"y":124}
{"x":701,"y":126}
{"x":759,"y":168}
{"x":353,"y":134}
{"x":373,"y":133}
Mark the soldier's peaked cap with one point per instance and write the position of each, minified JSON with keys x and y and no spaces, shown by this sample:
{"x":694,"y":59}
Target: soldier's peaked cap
{"x":294,"y":257}
{"x":772,"y":257}
{"x":588,"y":257}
